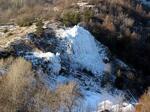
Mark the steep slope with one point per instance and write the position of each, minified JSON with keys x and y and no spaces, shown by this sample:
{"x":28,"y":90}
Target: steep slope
{"x":80,"y":58}
{"x":77,"y":57}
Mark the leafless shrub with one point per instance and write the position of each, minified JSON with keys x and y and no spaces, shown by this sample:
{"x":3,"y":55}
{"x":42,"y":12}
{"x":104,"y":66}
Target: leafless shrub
{"x":16,"y":86}
{"x":65,"y":98}
{"x":21,"y":91}
{"x":108,"y":23}
{"x":144,"y":104}
{"x":139,"y":8}
{"x":70,"y":96}
{"x":128,"y":22}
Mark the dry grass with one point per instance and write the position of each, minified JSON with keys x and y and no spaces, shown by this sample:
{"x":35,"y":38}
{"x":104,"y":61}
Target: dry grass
{"x":24,"y":8}
{"x":21,"y":91}
{"x":66,"y":97}
{"x":4,"y":63}
{"x":108,"y":23}
{"x":70,"y":96}
{"x":16,"y":34}
{"x":16,"y":86}
{"x":144,"y":103}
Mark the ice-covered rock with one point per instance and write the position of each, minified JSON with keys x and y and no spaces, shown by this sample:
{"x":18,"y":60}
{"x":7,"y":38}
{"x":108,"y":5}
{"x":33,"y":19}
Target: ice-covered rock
{"x":82,"y":49}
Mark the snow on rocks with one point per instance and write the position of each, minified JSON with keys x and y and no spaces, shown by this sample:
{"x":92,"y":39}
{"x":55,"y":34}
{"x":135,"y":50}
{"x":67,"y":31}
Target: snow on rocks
{"x":109,"y":106}
{"x":128,"y":108}
{"x":103,"y":100}
{"x":48,"y":61}
{"x":82,"y":49}
{"x":105,"y":105}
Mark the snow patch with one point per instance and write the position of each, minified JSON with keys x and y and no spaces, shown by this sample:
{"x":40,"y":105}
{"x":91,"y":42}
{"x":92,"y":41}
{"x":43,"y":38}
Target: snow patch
{"x":99,"y":100}
{"x":122,"y":107}
{"x":49,"y":60}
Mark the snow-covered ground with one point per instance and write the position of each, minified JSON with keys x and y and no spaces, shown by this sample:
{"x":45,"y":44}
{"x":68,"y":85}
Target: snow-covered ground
{"x":80,"y":51}
{"x":100,"y":101}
